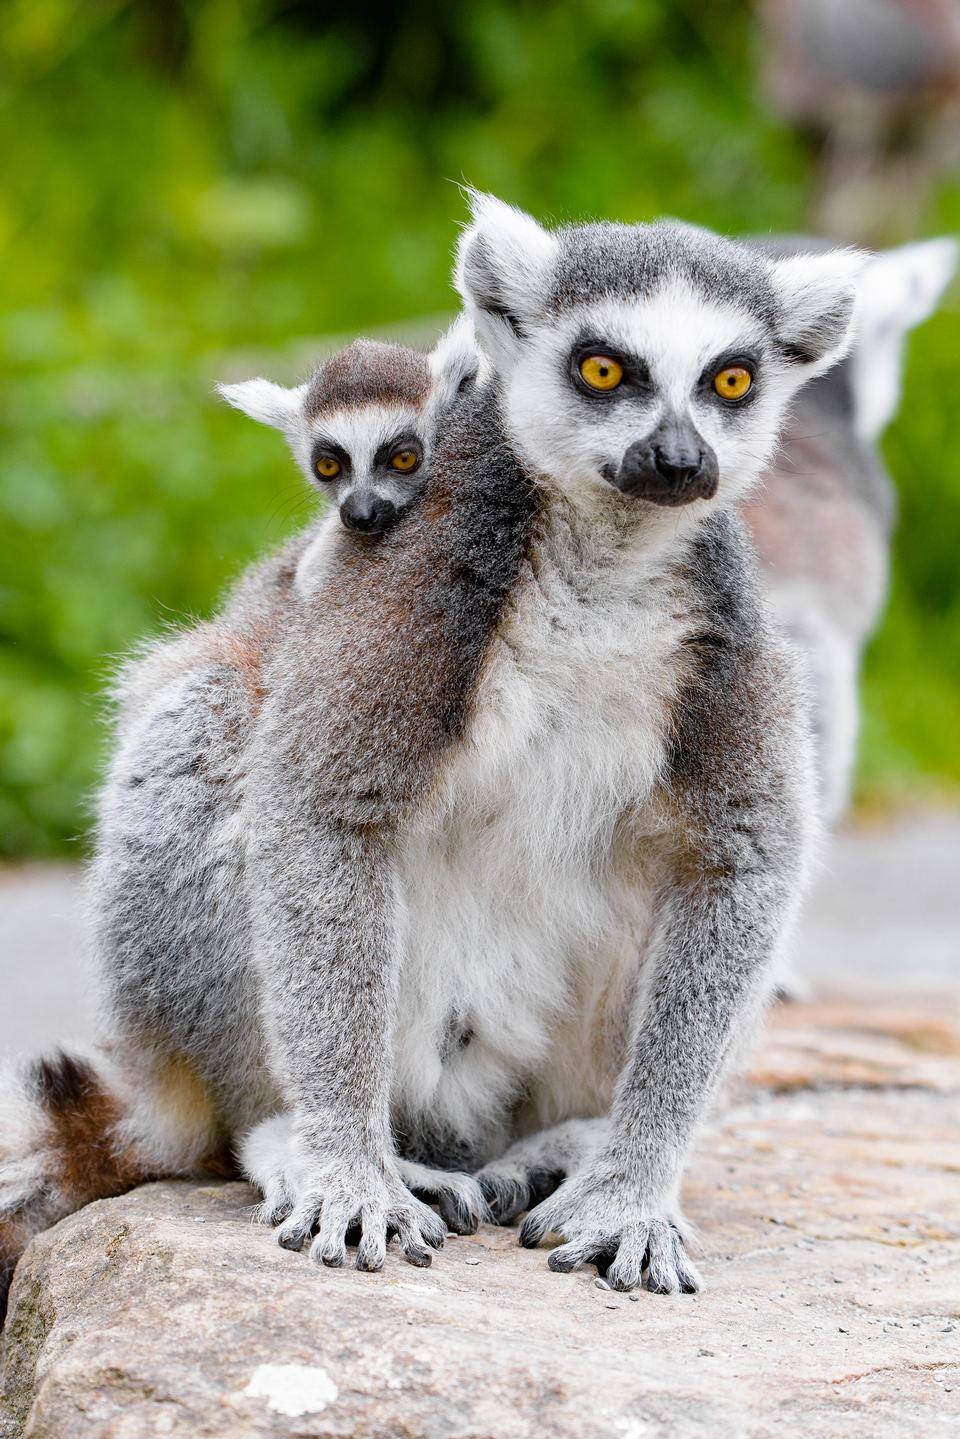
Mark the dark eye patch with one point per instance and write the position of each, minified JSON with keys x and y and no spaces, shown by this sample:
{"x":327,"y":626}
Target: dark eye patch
{"x":636,"y":374}
{"x":406,"y":441}
{"x":324,"y":449}
{"x":731,"y":360}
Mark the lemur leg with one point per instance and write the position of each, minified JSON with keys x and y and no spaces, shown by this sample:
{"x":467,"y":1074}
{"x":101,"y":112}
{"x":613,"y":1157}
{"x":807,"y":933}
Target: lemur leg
{"x":328,"y":954}
{"x":832,"y":663}
{"x":621,"y":1212}
{"x":268,"y":1158}
{"x":167,"y":891}
{"x":832,"y":667}
{"x":532,"y":1168}
{"x":738,"y":820}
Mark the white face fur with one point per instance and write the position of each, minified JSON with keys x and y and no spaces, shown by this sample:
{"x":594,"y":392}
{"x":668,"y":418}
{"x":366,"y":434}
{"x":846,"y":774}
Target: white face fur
{"x":672,"y":337}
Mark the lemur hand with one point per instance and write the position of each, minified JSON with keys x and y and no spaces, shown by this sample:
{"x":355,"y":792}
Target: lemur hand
{"x":365,"y":1203}
{"x":606,"y":1225}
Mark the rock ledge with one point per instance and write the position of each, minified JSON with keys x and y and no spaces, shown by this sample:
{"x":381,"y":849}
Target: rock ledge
{"x":829,"y":1196}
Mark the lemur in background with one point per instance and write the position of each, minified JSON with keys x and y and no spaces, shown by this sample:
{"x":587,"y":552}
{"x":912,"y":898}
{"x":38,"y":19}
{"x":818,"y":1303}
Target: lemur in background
{"x":503,"y":830}
{"x":821,"y":521}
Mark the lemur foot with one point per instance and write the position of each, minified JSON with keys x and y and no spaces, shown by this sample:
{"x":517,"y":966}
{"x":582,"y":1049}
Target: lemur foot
{"x":628,"y":1242}
{"x":459,"y":1198}
{"x":534,"y":1167}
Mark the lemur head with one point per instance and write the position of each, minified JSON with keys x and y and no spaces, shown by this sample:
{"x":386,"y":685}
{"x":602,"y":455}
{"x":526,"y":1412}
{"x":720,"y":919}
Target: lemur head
{"x":654,"y":358}
{"x":361,"y":428}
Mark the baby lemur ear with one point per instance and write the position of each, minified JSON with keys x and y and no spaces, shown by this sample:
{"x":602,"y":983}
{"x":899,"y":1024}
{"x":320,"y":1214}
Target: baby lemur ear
{"x":264,"y":401}
{"x":503,"y":266}
{"x":454,"y":362}
{"x":817,"y":294}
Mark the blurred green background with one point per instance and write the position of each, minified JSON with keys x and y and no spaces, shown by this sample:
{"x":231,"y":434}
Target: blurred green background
{"x":199,"y":190}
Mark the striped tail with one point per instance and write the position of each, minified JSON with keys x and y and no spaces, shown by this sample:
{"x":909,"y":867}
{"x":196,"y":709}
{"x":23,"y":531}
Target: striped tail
{"x":61,"y":1146}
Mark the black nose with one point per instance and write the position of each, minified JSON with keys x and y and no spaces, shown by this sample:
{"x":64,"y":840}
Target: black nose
{"x":679,"y":467}
{"x":369,"y":514}
{"x":672,"y":466}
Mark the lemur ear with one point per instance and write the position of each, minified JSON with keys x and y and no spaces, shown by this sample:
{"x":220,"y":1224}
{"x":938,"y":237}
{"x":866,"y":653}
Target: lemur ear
{"x":503,"y":264}
{"x":264,"y":401}
{"x":454,"y":362}
{"x":817,"y":294}
{"x":898,"y":289}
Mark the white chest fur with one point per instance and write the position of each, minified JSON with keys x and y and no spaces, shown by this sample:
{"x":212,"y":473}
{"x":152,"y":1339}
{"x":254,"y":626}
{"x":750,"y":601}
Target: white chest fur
{"x":521,"y":938}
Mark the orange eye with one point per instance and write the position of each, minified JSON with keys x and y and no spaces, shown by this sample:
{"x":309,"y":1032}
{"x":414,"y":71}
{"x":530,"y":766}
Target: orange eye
{"x":601,"y":372}
{"x":405,"y":460}
{"x":327,"y":467}
{"x":732,"y":383}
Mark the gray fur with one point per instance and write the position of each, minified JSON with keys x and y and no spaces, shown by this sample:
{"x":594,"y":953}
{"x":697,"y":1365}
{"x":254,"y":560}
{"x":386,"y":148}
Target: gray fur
{"x":823,"y":520}
{"x":533,"y":773}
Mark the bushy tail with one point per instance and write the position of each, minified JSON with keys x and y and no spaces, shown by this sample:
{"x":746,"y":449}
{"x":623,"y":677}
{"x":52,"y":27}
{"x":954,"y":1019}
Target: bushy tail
{"x":62,"y":1145}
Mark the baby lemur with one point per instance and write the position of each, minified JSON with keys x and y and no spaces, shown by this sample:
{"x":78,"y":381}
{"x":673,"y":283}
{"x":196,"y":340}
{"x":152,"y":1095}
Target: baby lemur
{"x":360,"y":427}
{"x":491,"y":835}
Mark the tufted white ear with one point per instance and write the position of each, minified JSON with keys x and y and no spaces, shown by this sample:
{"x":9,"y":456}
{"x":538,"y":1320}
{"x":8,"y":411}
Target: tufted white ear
{"x":454,"y":362}
{"x":897,"y":290}
{"x":503,"y":265}
{"x":817,"y":294}
{"x":264,"y":401}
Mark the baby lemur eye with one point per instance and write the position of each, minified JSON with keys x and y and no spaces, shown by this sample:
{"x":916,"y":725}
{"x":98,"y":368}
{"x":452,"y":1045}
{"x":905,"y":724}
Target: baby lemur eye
{"x":327,"y":467}
{"x":405,"y":460}
{"x":733,"y":382}
{"x":601,"y":372}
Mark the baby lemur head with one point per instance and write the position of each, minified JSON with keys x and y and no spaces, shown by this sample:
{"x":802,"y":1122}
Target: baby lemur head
{"x":658,"y":358}
{"x":361,"y":428}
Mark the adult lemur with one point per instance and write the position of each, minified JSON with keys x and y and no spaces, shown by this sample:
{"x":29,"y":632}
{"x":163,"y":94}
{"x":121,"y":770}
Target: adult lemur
{"x":494,"y":827}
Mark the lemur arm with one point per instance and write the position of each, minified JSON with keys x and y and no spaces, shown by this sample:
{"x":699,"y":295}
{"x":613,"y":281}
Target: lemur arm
{"x":733,"y":866}
{"x":327,"y":953}
{"x":326,"y":956}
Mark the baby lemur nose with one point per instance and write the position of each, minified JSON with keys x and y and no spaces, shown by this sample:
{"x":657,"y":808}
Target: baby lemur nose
{"x":370,"y":514}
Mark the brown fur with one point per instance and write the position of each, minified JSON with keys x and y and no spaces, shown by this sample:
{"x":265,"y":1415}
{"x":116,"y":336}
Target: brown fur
{"x":244,"y":653}
{"x":369,"y":373}
{"x":806,"y":525}
{"x":90,"y":1161}
{"x":86,"y":1155}
{"x":416,"y":611}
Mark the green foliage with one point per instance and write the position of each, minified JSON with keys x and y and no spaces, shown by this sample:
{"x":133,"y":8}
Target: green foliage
{"x":191,"y":192}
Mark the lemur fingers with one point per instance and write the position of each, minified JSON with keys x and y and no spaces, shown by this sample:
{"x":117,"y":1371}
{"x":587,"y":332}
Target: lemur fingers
{"x":604,"y":1224}
{"x":334,"y":1216}
{"x":268,"y":1157}
{"x":335,"y":1211}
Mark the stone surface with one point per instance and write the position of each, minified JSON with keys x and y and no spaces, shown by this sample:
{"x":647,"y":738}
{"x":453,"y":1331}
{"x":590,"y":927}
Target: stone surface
{"x":828,"y":1195}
